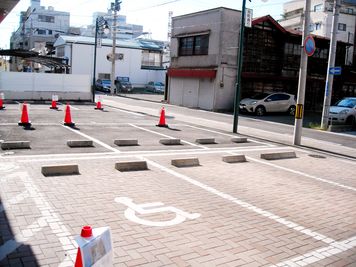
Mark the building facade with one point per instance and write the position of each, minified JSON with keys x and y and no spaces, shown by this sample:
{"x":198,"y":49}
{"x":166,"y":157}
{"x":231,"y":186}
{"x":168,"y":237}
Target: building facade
{"x":321,"y":20}
{"x":203,"y":59}
{"x":140,"y":60}
{"x":38,"y":29}
{"x":124,"y":30}
{"x":204,"y":56}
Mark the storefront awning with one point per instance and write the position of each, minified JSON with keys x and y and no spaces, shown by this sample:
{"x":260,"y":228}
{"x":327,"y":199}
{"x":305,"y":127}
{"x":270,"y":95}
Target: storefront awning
{"x":196,"y":73}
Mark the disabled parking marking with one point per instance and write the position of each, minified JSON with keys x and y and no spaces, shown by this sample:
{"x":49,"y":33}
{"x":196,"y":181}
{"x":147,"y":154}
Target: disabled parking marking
{"x":154,"y":207}
{"x":15,"y":200}
{"x":164,"y":135}
{"x":92,"y":139}
{"x":12,"y":244}
{"x":243,"y":204}
{"x":302,"y":174}
{"x":319,"y":254}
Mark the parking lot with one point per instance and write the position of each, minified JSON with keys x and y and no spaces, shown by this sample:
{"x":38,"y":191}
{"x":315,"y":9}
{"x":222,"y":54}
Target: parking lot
{"x":287,"y":212}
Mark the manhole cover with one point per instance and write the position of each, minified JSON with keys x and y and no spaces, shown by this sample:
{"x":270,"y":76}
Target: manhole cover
{"x":317,"y":156}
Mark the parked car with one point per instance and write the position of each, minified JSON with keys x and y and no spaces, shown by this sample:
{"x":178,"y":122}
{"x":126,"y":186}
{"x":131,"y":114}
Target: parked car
{"x":343,"y":112}
{"x":103,"y":85}
{"x":269,"y":102}
{"x":156,"y":87}
{"x":123,"y":84}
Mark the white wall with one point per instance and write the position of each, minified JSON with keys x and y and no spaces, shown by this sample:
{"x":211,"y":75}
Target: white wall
{"x":41,"y":86}
{"x":82,"y":62}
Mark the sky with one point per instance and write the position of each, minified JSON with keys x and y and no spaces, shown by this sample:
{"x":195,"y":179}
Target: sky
{"x":153,"y":14}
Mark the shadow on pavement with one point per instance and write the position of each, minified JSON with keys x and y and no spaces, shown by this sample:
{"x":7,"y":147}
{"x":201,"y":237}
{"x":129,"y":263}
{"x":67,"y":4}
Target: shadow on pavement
{"x":13,"y":253}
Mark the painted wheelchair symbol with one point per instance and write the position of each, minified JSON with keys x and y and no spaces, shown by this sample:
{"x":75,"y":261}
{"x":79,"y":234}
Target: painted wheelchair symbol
{"x":154,"y":207}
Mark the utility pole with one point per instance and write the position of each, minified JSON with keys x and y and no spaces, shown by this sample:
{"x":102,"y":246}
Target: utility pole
{"x":115,"y":7}
{"x":298,"y":124}
{"x":331,"y":64}
{"x":239,"y":68}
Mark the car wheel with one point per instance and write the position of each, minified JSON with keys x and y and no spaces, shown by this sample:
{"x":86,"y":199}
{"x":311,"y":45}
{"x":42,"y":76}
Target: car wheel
{"x":260,"y":111}
{"x":351,"y":121}
{"x":291,"y":110}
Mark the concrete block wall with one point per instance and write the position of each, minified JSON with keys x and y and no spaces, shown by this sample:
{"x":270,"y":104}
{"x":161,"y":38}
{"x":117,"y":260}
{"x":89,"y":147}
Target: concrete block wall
{"x":41,"y":86}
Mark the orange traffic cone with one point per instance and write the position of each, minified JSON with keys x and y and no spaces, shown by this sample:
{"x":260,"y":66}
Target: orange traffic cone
{"x":68,"y":117}
{"x":162,"y":119}
{"x":54,"y":105}
{"x":1,"y":104}
{"x":85,"y":233}
{"x":24,"y":117}
{"x":98,"y":105}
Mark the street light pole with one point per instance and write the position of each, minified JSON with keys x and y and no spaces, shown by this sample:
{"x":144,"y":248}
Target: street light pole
{"x":102,"y":23}
{"x":116,"y":7}
{"x":94,"y":66}
{"x":239,"y":68}
{"x":331,"y":64}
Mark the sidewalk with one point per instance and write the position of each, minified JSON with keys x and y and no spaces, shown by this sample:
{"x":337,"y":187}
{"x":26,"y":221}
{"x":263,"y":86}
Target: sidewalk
{"x":311,"y":138}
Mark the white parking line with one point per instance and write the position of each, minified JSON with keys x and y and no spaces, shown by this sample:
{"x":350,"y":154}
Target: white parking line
{"x":319,"y":254}
{"x":243,"y":204}
{"x":230,"y":135}
{"x":93,"y":139}
{"x":164,"y":135}
{"x":303,"y":174}
{"x":125,"y":154}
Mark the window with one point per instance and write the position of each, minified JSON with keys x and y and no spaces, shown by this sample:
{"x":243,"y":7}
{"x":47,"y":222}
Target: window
{"x":44,"y":18}
{"x":278,"y":97}
{"x":151,"y":59}
{"x":341,"y":27}
{"x":41,"y":32}
{"x":194,"y":45}
{"x":49,"y":32}
{"x":317,"y":26}
{"x":60,"y":51}
{"x":318,"y":7}
{"x":292,"y":49}
{"x":349,"y":10}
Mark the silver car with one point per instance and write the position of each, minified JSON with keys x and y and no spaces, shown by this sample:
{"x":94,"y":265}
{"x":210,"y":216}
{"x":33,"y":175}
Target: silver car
{"x":269,"y":102}
{"x":343,"y":112}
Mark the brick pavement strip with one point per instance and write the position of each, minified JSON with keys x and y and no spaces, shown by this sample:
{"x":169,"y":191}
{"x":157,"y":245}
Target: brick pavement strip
{"x":239,"y":226}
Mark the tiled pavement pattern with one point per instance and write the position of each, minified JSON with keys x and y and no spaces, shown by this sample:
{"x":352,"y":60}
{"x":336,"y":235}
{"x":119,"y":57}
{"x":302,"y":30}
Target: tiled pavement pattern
{"x":293,"y":212}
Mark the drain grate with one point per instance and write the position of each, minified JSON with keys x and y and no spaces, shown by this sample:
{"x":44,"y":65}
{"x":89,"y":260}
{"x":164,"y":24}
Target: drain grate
{"x":317,"y":156}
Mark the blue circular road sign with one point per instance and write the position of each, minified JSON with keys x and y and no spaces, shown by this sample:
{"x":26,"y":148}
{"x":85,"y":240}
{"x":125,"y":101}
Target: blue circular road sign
{"x":309,"y":45}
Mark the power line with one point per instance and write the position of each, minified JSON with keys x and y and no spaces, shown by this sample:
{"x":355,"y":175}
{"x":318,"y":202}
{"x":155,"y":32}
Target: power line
{"x":149,"y":7}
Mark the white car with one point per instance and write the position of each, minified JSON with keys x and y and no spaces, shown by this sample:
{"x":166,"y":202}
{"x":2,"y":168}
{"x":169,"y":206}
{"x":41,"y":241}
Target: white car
{"x":343,"y":112}
{"x":156,"y":87}
{"x":269,"y":102}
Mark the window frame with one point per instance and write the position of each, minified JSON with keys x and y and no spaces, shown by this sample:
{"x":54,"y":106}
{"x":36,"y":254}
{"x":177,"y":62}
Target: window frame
{"x":318,"y":7}
{"x":194,"y":45}
{"x":343,"y":28}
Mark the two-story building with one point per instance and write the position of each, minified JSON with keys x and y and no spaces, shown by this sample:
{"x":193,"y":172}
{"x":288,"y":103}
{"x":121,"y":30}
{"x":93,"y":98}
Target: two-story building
{"x":204,"y":58}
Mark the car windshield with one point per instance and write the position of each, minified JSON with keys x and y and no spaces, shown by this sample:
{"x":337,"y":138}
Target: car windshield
{"x":106,"y":82}
{"x":346,"y":103}
{"x":159,"y":83}
{"x":260,"y":96}
{"x":123,"y":79}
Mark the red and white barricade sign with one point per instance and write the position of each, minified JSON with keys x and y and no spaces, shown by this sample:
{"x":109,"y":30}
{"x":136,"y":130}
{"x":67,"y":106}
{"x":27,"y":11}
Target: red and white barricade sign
{"x":95,"y":248}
